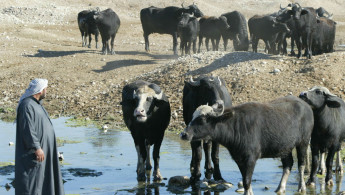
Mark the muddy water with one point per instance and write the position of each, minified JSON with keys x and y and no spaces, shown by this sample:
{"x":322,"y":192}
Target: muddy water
{"x":101,"y":162}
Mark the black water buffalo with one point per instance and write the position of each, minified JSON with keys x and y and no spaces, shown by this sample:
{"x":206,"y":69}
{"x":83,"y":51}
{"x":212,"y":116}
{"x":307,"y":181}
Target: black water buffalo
{"x":329,"y":127}
{"x":87,"y":26}
{"x":213,"y":28}
{"x":146,"y":112}
{"x":238,"y":31}
{"x":258,"y":130}
{"x":305,"y":22}
{"x":164,"y":21}
{"x":188,"y":29}
{"x":265,"y":28}
{"x":108,"y":23}
{"x":323,"y":39}
{"x":204,"y":90}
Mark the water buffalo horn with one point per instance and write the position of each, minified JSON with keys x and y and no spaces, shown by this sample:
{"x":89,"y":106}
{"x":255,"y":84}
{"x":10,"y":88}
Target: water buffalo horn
{"x":220,"y":82}
{"x":194,"y":83}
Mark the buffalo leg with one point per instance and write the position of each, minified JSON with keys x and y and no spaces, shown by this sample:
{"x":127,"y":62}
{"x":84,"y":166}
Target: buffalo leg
{"x":301,"y":156}
{"x":200,"y":42}
{"x":90,"y":39}
{"x":329,"y":164}
{"x":339,"y":164}
{"x":206,"y":43}
{"x":195,"y":162}
{"x":225,"y":41}
{"x":174,"y":35}
{"x":112,"y":51}
{"x":314,"y":165}
{"x":156,"y":172}
{"x":96,"y":39}
{"x":208,"y":165}
{"x":247,"y":169}
{"x":147,"y":43}
{"x":214,"y":46}
{"x":141,"y":161}
{"x":104,"y":47}
{"x":215,"y":159}
{"x":83,"y":39}
{"x":287,"y":165}
{"x":194,"y":46}
{"x":217,"y":44}
{"x":148,"y":157}
{"x":322,"y":167}
{"x":188,"y":45}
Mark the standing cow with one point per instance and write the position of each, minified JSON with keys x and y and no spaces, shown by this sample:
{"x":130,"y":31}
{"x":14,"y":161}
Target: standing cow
{"x":108,"y":23}
{"x":238,"y":31}
{"x":188,"y":29}
{"x":164,"y":21}
{"x":146,"y":112}
{"x":329,"y":127}
{"x":258,"y":130}
{"x":87,"y":26}
{"x":305,"y":19}
{"x":267,"y":29}
{"x":213,"y":28}
{"x":204,"y":90}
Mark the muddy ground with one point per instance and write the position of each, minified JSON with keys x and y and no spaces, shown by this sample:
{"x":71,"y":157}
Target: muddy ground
{"x":42,"y":39}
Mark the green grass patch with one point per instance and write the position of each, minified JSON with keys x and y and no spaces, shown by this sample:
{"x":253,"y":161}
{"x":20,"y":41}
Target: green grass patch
{"x":79,"y":122}
{"x":4,"y":164}
{"x":61,"y":141}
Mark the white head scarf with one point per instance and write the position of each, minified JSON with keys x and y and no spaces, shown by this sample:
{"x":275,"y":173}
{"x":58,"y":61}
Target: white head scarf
{"x":35,"y":86}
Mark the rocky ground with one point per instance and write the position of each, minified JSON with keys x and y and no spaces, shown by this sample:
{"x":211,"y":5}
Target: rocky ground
{"x":41,"y":39}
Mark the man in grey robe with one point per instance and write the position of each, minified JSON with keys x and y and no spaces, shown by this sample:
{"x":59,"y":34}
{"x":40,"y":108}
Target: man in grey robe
{"x":37,"y":169}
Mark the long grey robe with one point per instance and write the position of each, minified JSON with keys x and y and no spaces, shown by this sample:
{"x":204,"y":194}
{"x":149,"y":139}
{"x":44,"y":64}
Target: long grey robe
{"x":34,"y":131}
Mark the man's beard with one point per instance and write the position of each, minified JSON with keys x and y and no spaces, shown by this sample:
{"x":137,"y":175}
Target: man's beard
{"x":42,"y":96}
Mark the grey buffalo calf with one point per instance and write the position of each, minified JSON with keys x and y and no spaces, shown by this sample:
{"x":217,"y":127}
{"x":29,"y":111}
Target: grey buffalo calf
{"x":204,"y":90}
{"x":146,"y":112}
{"x":329,"y":127}
{"x":108,"y":23}
{"x":258,"y":130}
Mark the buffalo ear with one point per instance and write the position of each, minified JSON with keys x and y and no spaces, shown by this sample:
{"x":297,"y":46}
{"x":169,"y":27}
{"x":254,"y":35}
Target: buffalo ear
{"x":333,"y":102}
{"x":304,"y":11}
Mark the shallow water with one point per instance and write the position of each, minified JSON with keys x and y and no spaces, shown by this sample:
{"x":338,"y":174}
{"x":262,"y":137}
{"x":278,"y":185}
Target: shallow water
{"x":108,"y":163}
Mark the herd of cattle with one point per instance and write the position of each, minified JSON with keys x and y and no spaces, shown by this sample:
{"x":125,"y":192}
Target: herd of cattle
{"x":310,"y":29}
{"x":249,"y":131}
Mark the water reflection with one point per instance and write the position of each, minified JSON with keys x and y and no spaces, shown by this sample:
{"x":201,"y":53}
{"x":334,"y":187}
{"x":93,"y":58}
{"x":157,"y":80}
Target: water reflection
{"x":113,"y":154}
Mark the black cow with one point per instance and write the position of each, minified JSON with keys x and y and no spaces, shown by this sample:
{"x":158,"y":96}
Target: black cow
{"x":188,"y":29}
{"x":305,"y":23}
{"x":329,"y":127}
{"x":146,"y":112}
{"x":258,"y":130}
{"x":108,"y":23}
{"x":164,"y":21}
{"x":267,"y":29}
{"x":238,"y":31}
{"x":204,"y":90}
{"x":323,"y":39}
{"x":213,"y":28}
{"x":87,"y":26}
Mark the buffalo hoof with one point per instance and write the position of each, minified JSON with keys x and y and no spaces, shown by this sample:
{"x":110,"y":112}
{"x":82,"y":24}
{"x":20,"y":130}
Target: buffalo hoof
{"x":112,"y":52}
{"x":310,"y":183}
{"x":157,"y":177}
{"x":89,"y":46}
{"x":330,"y":182}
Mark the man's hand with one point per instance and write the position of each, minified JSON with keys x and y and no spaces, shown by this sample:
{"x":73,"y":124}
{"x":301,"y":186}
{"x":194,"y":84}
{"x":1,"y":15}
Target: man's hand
{"x":39,"y":155}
